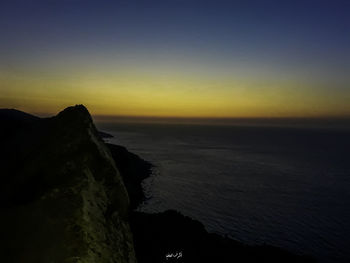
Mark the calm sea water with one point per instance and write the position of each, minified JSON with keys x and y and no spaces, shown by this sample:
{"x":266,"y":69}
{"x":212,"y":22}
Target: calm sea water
{"x":280,"y":186}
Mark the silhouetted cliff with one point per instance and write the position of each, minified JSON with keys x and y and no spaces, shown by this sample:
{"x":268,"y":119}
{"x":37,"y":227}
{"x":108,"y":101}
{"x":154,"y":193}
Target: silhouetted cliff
{"x":133,"y":170}
{"x":63,"y":198}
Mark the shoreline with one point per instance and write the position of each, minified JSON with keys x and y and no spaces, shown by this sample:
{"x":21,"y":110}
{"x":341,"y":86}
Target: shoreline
{"x":158,"y":236}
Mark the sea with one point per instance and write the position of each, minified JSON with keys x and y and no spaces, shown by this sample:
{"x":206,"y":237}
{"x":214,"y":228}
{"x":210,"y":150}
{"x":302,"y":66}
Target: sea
{"x":282,"y":186}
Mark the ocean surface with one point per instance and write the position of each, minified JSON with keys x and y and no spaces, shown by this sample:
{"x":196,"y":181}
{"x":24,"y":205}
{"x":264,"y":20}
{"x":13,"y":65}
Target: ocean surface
{"x":288,"y":187}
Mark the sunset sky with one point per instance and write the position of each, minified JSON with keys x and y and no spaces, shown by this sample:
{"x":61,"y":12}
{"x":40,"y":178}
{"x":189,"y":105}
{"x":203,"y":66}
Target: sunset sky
{"x":180,"y":58}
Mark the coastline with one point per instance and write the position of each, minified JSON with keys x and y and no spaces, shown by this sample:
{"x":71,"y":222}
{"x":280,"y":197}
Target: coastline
{"x":162,"y":237}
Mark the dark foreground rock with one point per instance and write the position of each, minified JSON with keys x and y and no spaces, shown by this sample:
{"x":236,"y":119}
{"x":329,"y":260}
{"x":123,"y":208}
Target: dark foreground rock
{"x":172,"y":237}
{"x":62,"y":197}
{"x":133,"y":170}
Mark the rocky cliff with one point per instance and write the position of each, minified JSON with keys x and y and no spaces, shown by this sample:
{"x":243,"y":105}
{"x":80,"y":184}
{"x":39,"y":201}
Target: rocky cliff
{"x":63,"y":199}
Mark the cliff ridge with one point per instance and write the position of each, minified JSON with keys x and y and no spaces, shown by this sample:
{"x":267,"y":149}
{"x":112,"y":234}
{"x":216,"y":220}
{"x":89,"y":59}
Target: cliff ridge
{"x":64,"y":199}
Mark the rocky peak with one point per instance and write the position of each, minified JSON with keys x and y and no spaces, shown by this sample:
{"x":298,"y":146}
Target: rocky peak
{"x":75,"y":114}
{"x":63,"y":197}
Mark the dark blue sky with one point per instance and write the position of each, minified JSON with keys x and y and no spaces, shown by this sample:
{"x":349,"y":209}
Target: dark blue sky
{"x":309,"y":38}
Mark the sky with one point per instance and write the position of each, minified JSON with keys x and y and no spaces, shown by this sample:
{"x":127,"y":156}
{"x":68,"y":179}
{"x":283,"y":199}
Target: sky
{"x":179,"y":58}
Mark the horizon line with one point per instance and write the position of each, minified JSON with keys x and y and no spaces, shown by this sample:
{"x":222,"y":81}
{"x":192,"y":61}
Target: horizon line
{"x":341,"y":122}
{"x":173,"y":117}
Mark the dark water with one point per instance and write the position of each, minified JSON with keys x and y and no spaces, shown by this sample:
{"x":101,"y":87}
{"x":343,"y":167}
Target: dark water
{"x":281,"y":186}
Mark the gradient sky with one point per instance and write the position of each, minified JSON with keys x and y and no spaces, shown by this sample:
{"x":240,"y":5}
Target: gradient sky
{"x":177,"y":58}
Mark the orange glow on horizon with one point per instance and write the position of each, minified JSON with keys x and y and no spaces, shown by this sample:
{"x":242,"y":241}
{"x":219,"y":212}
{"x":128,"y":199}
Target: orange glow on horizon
{"x":170,"y":95}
